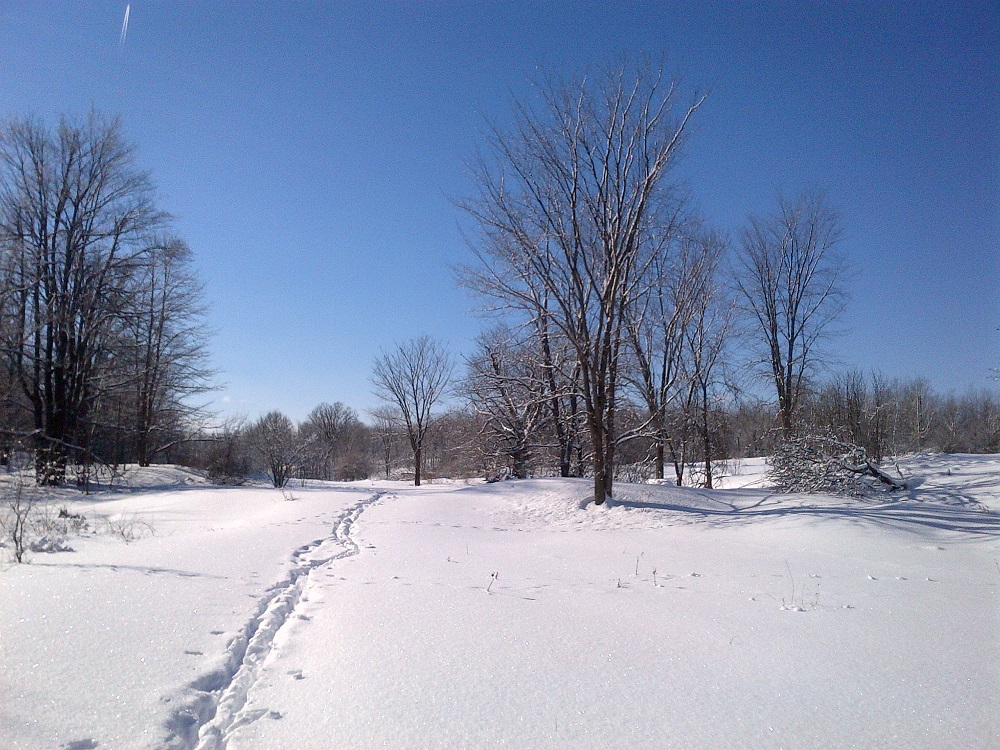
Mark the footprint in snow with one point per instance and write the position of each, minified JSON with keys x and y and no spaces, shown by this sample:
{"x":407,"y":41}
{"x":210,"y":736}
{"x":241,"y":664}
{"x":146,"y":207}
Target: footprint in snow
{"x":217,"y":632}
{"x":296,"y":674}
{"x":87,"y":744}
{"x":274,"y":714}
{"x":194,"y":653}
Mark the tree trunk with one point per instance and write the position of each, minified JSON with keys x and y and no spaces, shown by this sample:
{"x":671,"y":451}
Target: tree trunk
{"x":520,"y":463}
{"x":572,"y":438}
{"x":678,"y":461}
{"x":600,"y":487}
{"x":416,"y":466}
{"x":706,"y":437}
{"x":142,"y":449}
{"x":604,"y":462}
{"x":708,"y":462}
{"x":784,"y":408}
{"x":565,"y":457}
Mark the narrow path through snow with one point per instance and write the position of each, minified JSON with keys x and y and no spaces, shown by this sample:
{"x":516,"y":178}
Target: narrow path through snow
{"x":224,"y":693}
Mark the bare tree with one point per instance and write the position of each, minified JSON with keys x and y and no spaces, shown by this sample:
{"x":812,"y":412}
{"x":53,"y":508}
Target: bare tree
{"x":789,"y":281}
{"x":862,"y":408}
{"x":164,"y":350}
{"x":226,"y":457}
{"x":385,"y":429}
{"x":75,"y":218}
{"x":657,"y":329}
{"x":705,"y":339}
{"x":569,"y":210}
{"x":335,"y":437}
{"x":506,"y":385}
{"x":825,"y":461}
{"x":561,"y":387}
{"x":917,"y":415}
{"x":453,"y":445}
{"x":414,"y":378}
{"x":16,"y":510}
{"x":274,"y":440}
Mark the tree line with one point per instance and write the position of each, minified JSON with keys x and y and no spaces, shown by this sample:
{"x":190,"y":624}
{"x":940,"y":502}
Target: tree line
{"x":626,"y":337}
{"x":475,"y":433}
{"x":102,"y":331}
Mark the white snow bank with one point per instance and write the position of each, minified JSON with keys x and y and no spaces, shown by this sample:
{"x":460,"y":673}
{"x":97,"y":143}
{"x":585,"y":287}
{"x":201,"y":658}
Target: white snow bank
{"x":514,"y":615}
{"x":511,"y":616}
{"x":122,"y":644}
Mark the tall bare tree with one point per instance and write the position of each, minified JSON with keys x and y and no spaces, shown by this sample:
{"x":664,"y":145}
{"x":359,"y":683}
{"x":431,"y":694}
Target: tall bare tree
{"x":385,"y":435}
{"x":75,"y":218}
{"x":789,"y":281}
{"x":705,"y":338}
{"x":569,"y":208}
{"x":506,"y":385}
{"x":414,"y":378}
{"x":657,"y":329}
{"x":164,"y":357}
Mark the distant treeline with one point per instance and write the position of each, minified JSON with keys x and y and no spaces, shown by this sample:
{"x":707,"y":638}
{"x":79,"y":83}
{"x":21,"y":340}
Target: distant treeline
{"x":886,"y":417}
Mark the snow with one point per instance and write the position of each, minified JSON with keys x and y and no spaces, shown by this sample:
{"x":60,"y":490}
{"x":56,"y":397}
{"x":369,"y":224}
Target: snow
{"x":514,"y":614}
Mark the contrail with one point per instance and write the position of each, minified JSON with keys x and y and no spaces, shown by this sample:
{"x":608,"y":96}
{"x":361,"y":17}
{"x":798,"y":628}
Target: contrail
{"x":128,"y":7}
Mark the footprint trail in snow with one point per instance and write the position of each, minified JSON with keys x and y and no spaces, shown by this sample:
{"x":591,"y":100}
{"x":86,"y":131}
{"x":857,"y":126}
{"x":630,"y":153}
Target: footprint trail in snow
{"x":223,"y":694}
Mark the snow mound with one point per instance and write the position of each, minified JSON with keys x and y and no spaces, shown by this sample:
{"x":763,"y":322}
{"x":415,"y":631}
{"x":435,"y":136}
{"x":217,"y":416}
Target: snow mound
{"x":159,"y":477}
{"x":568,"y":503}
{"x":507,"y":615}
{"x":947,"y":492}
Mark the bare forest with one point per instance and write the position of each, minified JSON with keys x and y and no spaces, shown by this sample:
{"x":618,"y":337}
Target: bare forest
{"x":625,"y":338}
{"x":103,"y":345}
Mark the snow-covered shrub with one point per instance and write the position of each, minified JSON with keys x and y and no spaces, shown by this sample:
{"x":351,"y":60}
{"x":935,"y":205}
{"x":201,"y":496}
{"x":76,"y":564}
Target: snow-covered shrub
{"x":50,"y":529}
{"x":50,"y":544}
{"x":30,"y":524}
{"x":128,"y":527}
{"x":825,"y":462}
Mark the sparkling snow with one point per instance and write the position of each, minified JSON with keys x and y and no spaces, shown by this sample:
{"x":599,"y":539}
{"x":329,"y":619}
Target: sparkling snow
{"x":511,"y":615}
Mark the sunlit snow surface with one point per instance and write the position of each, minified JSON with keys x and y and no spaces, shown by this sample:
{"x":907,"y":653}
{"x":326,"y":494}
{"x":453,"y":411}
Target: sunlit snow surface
{"x":512,"y":615}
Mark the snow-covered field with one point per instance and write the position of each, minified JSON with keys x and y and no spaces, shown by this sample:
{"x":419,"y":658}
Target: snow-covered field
{"x":511,"y":615}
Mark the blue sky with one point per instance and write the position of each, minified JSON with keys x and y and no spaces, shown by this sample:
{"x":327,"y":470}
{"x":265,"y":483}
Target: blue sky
{"x":312,"y":153}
